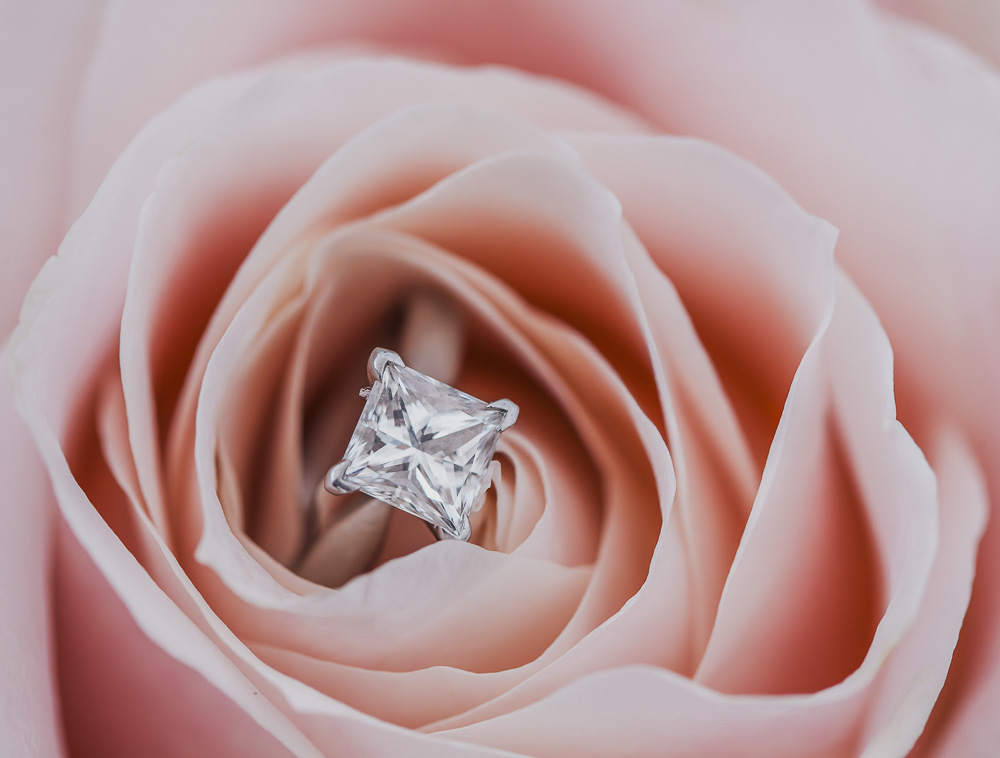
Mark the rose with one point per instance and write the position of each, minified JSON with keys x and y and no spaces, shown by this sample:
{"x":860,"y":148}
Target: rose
{"x":945,"y":458}
{"x":453,"y":187}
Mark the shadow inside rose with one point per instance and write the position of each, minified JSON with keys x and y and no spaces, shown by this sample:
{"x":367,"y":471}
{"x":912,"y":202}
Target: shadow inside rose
{"x":293,"y":402}
{"x":563,"y":516}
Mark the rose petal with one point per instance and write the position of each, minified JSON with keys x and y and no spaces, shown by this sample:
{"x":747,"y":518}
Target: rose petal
{"x":133,"y":42}
{"x":119,"y":688}
{"x":964,"y":508}
{"x":758,"y":290}
{"x":162,"y":622}
{"x":45,"y":57}
{"x":868,"y":120}
{"x":974,"y":22}
{"x":28,"y":722}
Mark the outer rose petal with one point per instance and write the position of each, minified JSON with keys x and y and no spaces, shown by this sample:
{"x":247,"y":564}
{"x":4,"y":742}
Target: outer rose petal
{"x":29,"y":719}
{"x":964,"y":508}
{"x":974,"y":22}
{"x":45,"y":47}
{"x":123,"y":694}
{"x":128,"y":78}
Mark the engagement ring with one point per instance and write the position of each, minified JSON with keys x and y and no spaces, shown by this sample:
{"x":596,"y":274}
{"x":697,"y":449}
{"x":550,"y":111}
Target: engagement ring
{"x":422,"y":446}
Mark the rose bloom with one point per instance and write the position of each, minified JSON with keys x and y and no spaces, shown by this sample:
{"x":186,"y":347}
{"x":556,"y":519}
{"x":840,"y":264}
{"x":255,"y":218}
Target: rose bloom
{"x":737,"y":264}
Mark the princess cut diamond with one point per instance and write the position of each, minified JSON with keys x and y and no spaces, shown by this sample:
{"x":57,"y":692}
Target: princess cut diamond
{"x":422,"y":446}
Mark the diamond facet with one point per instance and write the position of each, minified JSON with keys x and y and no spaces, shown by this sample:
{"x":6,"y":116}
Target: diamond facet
{"x":423,"y":447}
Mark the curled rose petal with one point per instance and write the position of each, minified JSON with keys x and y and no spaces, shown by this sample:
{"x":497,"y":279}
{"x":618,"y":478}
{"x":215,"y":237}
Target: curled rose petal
{"x":29,"y":723}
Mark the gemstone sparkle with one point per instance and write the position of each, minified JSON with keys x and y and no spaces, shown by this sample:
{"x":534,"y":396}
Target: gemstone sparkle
{"x":424,"y":447}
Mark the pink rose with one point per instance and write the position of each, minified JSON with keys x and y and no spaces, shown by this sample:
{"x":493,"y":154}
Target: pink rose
{"x":710,"y":537}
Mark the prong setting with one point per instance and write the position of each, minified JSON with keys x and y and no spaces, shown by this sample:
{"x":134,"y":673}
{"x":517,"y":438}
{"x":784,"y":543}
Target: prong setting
{"x":401,"y":451}
{"x":376,"y":362}
{"x":334,"y":482}
{"x":462,"y":535}
{"x":510,"y":411}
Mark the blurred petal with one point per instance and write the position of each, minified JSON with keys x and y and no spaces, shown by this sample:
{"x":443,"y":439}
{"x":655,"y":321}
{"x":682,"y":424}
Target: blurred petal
{"x":29,"y":702}
{"x":964,"y":509}
{"x":46,"y":47}
{"x":973,"y":22}
{"x":127,"y":82}
{"x":121,"y":691}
